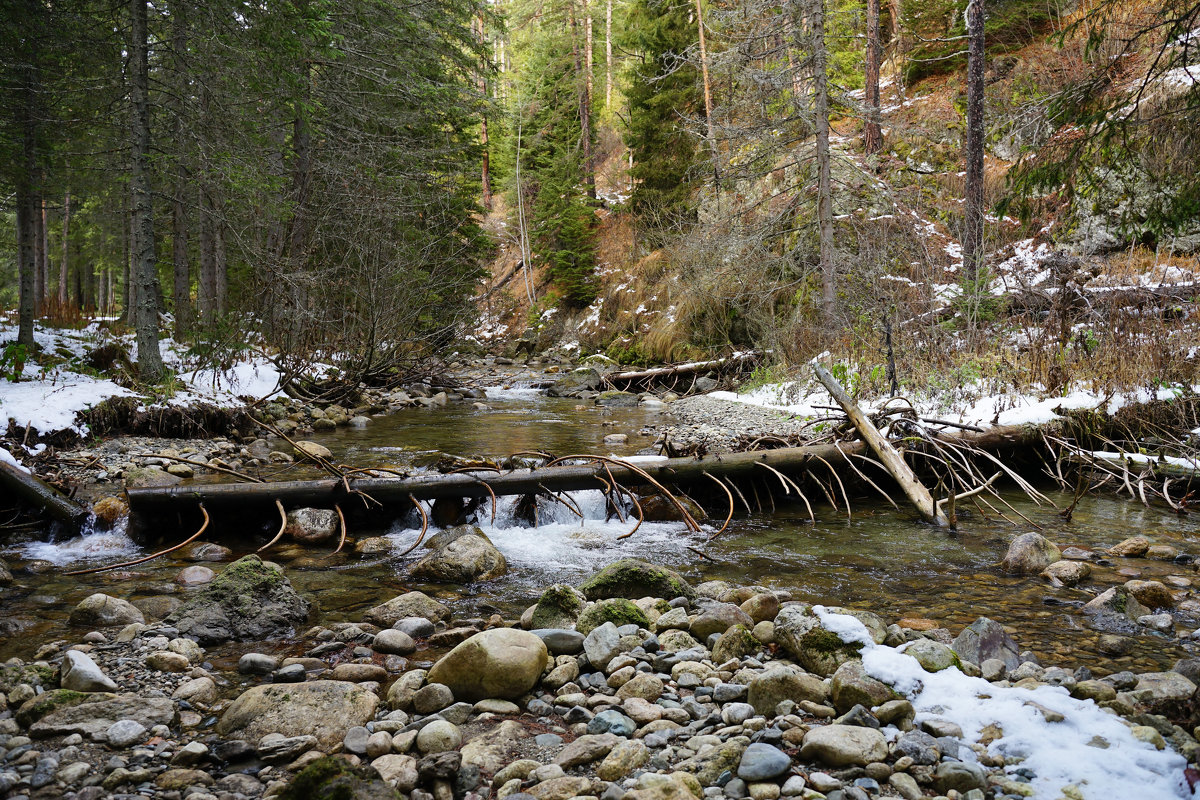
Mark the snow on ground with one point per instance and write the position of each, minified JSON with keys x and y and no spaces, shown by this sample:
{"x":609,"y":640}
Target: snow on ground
{"x":969,"y":404}
{"x":1090,"y":749}
{"x":48,"y":399}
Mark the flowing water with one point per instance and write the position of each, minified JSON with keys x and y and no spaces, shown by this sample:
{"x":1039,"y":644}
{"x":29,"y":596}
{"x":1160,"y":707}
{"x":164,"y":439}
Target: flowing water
{"x":880,"y":559}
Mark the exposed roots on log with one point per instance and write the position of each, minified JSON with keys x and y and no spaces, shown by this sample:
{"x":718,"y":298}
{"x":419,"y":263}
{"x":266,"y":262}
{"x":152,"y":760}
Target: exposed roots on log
{"x":342,"y":523}
{"x":424,"y":526}
{"x":729,"y":494}
{"x":282,"y":526}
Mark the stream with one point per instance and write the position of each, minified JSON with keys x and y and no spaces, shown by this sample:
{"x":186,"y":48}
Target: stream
{"x":879,"y":559}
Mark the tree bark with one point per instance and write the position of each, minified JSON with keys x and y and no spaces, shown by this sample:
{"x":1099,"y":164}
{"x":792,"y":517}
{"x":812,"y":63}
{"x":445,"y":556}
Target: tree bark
{"x":608,"y":60}
{"x":708,"y":103}
{"x":485,"y":172}
{"x":63,"y":272}
{"x":150,"y":365}
{"x":824,"y":180}
{"x":872,"y":136}
{"x":972,"y":239}
{"x":39,"y":255}
{"x":182,"y":288}
{"x":585,"y":100}
{"x":33,"y":490}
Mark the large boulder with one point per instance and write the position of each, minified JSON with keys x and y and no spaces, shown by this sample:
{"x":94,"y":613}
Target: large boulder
{"x":816,"y":649}
{"x":632,"y":578}
{"x":101,"y":611}
{"x":324,"y":709}
{"x":558,"y":607}
{"x":852,"y":686}
{"x":577,"y":380}
{"x":1029,"y":554}
{"x":718,"y":618}
{"x":470,"y":557}
{"x":499,"y":663}
{"x":250,"y":601}
{"x":412,"y":604}
{"x":778,"y":683}
{"x":984,"y":639}
{"x":93,"y":716}
{"x":1115,"y":609}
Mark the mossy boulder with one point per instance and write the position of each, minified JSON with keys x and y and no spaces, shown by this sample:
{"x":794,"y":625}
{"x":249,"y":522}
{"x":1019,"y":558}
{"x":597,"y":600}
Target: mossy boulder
{"x":333,"y":778}
{"x":48,"y":702}
{"x":466,"y":558}
{"x":737,"y":642}
{"x":816,"y":649}
{"x":250,"y":600}
{"x":618,"y":611}
{"x":558,"y":607}
{"x":633,"y":578}
{"x":13,"y":675}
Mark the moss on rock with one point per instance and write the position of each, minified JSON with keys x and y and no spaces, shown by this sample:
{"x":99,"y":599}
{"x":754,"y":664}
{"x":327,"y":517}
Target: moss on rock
{"x":12,"y":676}
{"x":618,"y":611}
{"x":332,"y":778}
{"x":633,"y":578}
{"x":48,"y":702}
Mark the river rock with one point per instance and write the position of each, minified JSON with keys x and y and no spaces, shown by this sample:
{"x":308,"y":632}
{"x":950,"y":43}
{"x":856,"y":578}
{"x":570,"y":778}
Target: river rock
{"x":194,"y":576}
{"x":984,"y":639}
{"x":962,"y":776}
{"x":718,"y":618}
{"x":311,"y":525}
{"x":1116,"y":603}
{"x":586,"y":749}
{"x":577,"y":380}
{"x":617,"y":399}
{"x":1029,"y":554}
{"x":632,"y":578}
{"x":250,"y":600}
{"x":1133,"y":547}
{"x":819,"y":651}
{"x":101,"y":610}
{"x":932,"y":656}
{"x":394,"y":642}
{"x":80,"y":673}
{"x":503,"y":663}
{"x":736,"y":643}
{"x":763,"y":762}
{"x":91,"y":718}
{"x":412,"y":604}
{"x":1157,"y":687}
{"x":468,"y":558}
{"x":439,"y":736}
{"x":623,"y":759}
{"x":1068,"y":573}
{"x":328,"y":777}
{"x":778,"y":683}
{"x":851,"y":686}
{"x":761,"y":607}
{"x":324,"y":709}
{"x":560,"y":641}
{"x":618,"y":611}
{"x":1151,"y":594}
{"x":206,"y":551}
{"x":307,"y":450}
{"x":200,"y":691}
{"x":558,"y":607}
{"x":844,"y":745}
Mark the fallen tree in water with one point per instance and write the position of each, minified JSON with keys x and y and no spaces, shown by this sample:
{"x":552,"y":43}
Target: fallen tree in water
{"x":32,"y":491}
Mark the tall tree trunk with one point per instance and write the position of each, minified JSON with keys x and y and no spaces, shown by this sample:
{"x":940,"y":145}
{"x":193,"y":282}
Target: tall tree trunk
{"x":585,"y":104}
{"x":150,"y":365}
{"x":972,"y":239}
{"x":824,"y":187}
{"x":63,"y":272}
{"x":608,"y":62}
{"x":708,"y":105}
{"x":182,"y":283}
{"x":208,"y":271}
{"x":221,"y":268}
{"x":485,"y":171}
{"x":872,"y":136}
{"x":39,"y":255}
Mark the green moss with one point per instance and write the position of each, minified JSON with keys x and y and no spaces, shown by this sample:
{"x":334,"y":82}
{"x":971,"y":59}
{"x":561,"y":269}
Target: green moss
{"x":1120,"y":601}
{"x":618,"y":611}
{"x":559,"y":605}
{"x":823,"y":641}
{"x":33,"y":674}
{"x":48,"y":702}
{"x":632,"y":578}
{"x":736,"y":642}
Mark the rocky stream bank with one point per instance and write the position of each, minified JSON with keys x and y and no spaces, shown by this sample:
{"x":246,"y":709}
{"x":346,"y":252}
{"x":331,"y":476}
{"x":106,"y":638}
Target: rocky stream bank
{"x":634,"y":684}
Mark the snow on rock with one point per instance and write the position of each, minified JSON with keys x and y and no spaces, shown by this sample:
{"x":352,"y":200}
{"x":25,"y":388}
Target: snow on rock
{"x":8,"y":458}
{"x":1090,"y":749}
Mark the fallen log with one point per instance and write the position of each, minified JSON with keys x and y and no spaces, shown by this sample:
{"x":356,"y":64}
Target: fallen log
{"x":740,"y":360}
{"x":891,"y":459}
{"x":35,"y":492}
{"x":397,"y":491}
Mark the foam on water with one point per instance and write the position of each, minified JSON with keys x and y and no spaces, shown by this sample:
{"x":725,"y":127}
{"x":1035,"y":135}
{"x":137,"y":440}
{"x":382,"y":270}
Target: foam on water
{"x":515,"y":393}
{"x":566,"y":547}
{"x":90,"y":545}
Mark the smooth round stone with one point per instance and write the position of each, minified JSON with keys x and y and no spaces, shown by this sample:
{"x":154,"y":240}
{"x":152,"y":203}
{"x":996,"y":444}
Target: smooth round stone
{"x":438,"y":736}
{"x":547,"y":740}
{"x":257,"y":664}
{"x":416,"y":627}
{"x":356,"y":740}
{"x":124,"y":733}
{"x":763,"y":762}
{"x":736,"y":713}
{"x":379,"y":744}
{"x":395,"y":642}
{"x":432,"y":697}
{"x":195,"y":575}
{"x":358,"y":673}
{"x":292,"y":673}
{"x":560,"y":641}
{"x":612,"y":721}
